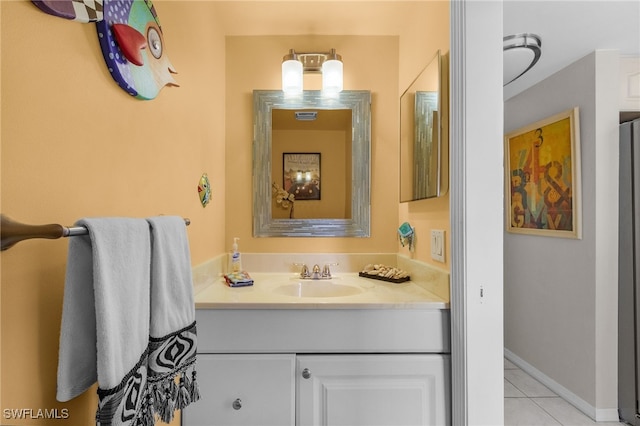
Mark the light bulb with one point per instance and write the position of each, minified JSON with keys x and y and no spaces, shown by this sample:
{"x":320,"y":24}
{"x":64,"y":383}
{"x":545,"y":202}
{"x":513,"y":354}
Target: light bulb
{"x":292,"y":76}
{"x":332,"y":76}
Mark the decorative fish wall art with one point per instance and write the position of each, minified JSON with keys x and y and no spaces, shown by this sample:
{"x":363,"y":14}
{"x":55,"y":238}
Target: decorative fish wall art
{"x":204,"y":190}
{"x":130,"y":37}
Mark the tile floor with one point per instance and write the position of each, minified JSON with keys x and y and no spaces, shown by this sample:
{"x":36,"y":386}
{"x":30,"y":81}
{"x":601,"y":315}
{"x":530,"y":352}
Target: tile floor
{"x":529,"y":402}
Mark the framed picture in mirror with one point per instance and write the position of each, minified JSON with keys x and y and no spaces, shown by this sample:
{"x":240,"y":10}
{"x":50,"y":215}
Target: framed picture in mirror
{"x":301,"y":174}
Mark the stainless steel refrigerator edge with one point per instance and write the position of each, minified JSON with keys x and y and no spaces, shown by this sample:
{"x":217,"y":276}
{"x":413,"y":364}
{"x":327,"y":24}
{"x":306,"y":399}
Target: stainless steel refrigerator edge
{"x":628,"y":271}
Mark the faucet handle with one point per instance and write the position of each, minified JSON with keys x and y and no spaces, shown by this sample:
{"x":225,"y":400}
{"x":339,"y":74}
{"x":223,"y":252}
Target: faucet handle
{"x":326,"y":272}
{"x":304,"y":270}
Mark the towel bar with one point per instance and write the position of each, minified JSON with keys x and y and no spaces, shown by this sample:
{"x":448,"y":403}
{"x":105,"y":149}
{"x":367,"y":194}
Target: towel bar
{"x":12,"y":232}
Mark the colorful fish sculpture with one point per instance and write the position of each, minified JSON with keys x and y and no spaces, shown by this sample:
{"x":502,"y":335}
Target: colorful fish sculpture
{"x":74,"y":10}
{"x":130,"y":37}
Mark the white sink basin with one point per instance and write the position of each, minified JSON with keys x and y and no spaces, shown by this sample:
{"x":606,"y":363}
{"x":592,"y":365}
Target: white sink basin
{"x":317,"y":289}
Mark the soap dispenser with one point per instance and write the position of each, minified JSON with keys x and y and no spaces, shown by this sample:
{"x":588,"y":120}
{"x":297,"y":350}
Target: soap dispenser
{"x":236,"y":262}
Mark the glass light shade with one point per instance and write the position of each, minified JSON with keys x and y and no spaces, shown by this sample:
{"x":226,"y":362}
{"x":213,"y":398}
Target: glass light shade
{"x":292,"y":76}
{"x":332,"y":76}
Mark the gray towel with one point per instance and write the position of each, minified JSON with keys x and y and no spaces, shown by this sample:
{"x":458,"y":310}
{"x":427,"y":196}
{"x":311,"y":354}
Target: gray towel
{"x":172,"y":338}
{"x":128,"y":320}
{"x":105,"y":313}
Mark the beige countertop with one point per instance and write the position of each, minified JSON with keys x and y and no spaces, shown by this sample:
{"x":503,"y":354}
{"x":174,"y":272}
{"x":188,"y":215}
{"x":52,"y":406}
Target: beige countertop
{"x":278,"y":291}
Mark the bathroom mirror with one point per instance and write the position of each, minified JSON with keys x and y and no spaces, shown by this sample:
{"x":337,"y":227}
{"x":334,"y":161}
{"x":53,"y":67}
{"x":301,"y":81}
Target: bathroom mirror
{"x":423,"y":149}
{"x":331,"y":176}
{"x":311,"y":160}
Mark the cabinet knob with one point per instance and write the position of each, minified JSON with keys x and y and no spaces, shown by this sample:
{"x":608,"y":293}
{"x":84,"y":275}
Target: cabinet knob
{"x":237,"y":404}
{"x":306,"y":373}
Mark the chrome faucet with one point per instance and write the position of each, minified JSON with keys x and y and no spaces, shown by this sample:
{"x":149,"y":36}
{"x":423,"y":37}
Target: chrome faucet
{"x":316,"y":273}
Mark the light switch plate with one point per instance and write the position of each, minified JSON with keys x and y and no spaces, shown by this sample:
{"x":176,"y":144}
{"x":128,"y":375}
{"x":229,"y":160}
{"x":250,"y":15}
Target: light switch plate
{"x":437,"y":245}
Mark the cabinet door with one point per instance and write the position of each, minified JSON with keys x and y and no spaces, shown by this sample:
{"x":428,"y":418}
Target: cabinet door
{"x":371,"y":390}
{"x":243,"y":390}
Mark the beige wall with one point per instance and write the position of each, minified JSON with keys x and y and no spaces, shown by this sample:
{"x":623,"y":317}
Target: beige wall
{"x":75,"y":145}
{"x":422,"y":36}
{"x":370,"y":63}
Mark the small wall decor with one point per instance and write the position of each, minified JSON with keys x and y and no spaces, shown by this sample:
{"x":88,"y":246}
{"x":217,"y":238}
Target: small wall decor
{"x":130,"y":37}
{"x":542,"y":182}
{"x":301,"y":174}
{"x":406,"y":235}
{"x":204,"y":190}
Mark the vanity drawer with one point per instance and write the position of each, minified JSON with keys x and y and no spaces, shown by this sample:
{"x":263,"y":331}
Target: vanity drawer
{"x":256,"y":389}
{"x":323,"y":330}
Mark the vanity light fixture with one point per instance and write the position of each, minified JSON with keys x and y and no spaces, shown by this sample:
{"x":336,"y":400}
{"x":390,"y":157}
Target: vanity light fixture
{"x":521,"y":52}
{"x":295,"y":64}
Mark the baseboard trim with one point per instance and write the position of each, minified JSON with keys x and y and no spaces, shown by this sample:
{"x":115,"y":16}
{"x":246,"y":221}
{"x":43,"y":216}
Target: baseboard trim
{"x":596,"y":414}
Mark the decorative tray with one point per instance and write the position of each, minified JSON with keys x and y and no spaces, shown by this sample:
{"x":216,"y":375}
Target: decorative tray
{"x":378,"y":277}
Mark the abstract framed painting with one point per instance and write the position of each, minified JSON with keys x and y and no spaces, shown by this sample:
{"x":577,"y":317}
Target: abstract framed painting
{"x":542,"y":177}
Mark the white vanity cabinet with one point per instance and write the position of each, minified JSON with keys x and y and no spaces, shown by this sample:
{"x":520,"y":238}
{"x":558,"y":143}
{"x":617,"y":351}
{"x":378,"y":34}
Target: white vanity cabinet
{"x":367,"y":390}
{"x":327,"y":390}
{"x":244,"y":390}
{"x":326,"y":367}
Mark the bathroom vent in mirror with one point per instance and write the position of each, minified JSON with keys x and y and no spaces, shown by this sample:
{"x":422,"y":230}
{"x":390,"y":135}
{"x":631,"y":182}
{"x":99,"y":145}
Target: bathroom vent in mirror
{"x":306,"y":115}
{"x":286,"y":149}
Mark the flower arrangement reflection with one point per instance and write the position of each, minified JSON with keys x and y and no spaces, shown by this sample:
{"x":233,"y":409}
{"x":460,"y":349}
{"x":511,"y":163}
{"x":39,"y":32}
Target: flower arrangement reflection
{"x":283,"y":198}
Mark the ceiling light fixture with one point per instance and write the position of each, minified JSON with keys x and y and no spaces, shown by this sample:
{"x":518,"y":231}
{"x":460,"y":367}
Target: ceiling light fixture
{"x":295,"y":64}
{"x":521,"y":53}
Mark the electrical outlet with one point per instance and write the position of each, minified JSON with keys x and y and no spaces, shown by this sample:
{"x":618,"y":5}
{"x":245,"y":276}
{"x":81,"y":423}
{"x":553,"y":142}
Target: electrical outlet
{"x":437,"y":245}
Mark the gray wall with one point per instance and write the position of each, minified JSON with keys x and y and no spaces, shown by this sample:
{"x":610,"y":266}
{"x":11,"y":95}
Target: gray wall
{"x":560,"y":295}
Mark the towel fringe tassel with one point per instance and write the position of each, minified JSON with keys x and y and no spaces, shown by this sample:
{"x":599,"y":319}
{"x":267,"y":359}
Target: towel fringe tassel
{"x":168,"y":405}
{"x":148,"y":418}
{"x":194,"y":388}
{"x":184,"y":398}
{"x":167,"y":412}
{"x":166,"y":396}
{"x":158,"y":397}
